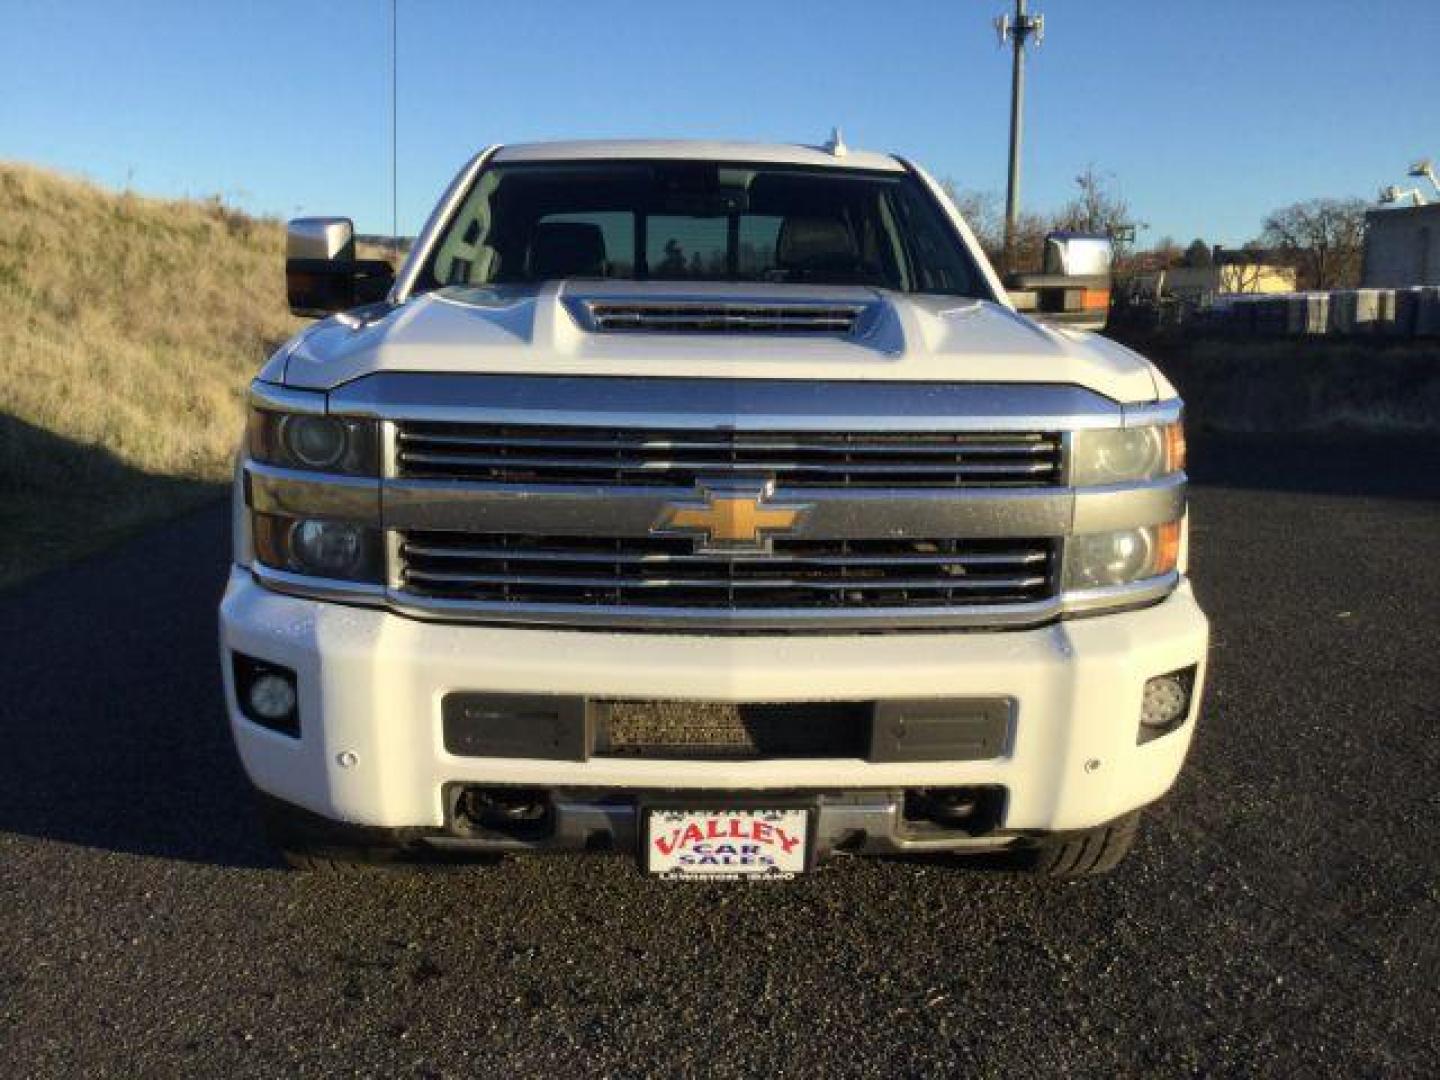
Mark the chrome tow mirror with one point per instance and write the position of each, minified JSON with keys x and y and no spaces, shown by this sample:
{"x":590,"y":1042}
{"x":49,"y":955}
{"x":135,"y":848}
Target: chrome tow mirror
{"x":322,"y":274}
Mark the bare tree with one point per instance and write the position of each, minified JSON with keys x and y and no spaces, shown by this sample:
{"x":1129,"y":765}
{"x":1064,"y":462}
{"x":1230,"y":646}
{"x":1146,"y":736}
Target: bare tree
{"x":982,"y":211}
{"x":1323,"y":237}
{"x":1100,"y":208}
{"x":1097,"y":208}
{"x":1030,"y":232}
{"x":1164,"y":254}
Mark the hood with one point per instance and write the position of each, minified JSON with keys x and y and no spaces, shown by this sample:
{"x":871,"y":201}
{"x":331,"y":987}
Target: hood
{"x":540,"y":330}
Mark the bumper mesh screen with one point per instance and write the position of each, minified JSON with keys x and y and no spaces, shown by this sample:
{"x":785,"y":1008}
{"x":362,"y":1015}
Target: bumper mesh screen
{"x":712,"y":730}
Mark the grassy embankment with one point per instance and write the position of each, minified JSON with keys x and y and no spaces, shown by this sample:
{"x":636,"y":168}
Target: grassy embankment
{"x":129,"y":328}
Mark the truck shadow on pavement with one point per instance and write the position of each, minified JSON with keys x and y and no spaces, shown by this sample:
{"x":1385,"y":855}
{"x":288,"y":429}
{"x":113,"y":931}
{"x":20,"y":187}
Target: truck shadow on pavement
{"x":111,"y":712}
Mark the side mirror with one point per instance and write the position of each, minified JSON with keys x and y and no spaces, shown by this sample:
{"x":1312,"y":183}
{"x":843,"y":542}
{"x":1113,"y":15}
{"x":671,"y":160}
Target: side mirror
{"x":1074,"y":288}
{"x":323,"y":276}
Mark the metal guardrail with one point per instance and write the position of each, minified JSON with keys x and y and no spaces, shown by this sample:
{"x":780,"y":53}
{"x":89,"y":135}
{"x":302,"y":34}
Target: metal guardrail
{"x":1342,"y":313}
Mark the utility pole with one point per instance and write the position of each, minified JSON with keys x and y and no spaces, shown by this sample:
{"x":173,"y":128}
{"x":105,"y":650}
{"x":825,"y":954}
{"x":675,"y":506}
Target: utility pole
{"x":1016,"y":32}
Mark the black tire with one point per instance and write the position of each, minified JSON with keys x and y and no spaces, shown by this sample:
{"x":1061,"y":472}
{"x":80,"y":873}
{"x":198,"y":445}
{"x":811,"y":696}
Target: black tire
{"x":341,"y":861}
{"x":305,"y":843}
{"x":1085,"y":854}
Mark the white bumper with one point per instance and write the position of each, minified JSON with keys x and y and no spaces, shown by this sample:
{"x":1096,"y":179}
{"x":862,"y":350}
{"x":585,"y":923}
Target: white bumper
{"x":371,"y":685}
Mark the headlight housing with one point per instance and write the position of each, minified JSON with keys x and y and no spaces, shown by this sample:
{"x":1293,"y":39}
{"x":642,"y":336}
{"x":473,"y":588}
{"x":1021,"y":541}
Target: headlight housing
{"x":1126,"y":455}
{"x":315,"y":442}
{"x":338,"y":550}
{"x":1104,"y":560}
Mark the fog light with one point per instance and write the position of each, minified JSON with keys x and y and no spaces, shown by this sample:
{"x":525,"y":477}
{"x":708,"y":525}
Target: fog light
{"x":266,"y":694}
{"x":1165,"y":704}
{"x":272,"y":697}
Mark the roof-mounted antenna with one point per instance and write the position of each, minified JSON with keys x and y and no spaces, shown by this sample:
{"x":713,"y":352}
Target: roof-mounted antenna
{"x":836,"y":147}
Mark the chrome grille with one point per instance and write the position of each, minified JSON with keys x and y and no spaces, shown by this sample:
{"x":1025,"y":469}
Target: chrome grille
{"x":666,"y":572}
{"x":676,"y":317}
{"x":506,"y":454}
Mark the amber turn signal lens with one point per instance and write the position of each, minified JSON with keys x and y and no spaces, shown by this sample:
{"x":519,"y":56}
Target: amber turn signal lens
{"x":1174,"y":447}
{"x":1167,"y":547}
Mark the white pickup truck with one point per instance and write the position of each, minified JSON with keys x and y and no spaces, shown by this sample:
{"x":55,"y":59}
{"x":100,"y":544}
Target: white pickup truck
{"x":706,"y":502}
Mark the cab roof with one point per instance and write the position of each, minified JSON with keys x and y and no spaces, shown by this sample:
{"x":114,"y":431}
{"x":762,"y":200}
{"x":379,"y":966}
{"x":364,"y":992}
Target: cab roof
{"x":696,"y":150}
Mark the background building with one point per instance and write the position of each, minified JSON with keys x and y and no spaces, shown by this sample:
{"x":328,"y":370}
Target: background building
{"x":1402,"y":246}
{"x":1228,"y":272}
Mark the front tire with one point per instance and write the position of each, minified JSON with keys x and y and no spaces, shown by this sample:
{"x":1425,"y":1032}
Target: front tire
{"x":1089,"y":853}
{"x":303,"y":842}
{"x":309,"y":842}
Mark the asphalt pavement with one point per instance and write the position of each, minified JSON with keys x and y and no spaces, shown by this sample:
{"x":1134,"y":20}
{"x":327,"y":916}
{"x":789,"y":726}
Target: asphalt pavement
{"x":1279,"y":916}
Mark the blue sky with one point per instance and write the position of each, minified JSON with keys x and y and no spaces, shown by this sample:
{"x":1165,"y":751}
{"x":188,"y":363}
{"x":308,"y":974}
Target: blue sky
{"x":1208,"y":114}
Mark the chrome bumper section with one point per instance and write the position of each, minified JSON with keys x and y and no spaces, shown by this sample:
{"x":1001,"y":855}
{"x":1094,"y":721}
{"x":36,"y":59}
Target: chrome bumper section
{"x":869,"y":823}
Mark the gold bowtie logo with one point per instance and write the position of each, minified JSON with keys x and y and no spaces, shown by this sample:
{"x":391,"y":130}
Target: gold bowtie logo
{"x":725,"y":520}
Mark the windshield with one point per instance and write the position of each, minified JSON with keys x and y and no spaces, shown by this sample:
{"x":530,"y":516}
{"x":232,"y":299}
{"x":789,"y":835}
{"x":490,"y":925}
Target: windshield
{"x":701,"y":221}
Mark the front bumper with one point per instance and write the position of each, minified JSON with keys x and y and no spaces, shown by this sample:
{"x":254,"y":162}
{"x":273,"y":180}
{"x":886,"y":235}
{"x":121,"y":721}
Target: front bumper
{"x":371,"y":749}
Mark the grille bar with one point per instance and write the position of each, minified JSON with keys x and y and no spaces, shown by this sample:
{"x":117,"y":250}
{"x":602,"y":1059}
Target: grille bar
{"x":442,"y":577}
{"x":431,"y":551}
{"x":660,"y":572}
{"x":481,"y":461}
{"x":741,"y":443}
{"x":564,"y":455}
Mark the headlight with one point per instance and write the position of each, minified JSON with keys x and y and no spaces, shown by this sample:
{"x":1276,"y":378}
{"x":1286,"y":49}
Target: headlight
{"x":1126,"y":455}
{"x":1101,"y":560}
{"x":327,"y":549}
{"x":315,"y":442}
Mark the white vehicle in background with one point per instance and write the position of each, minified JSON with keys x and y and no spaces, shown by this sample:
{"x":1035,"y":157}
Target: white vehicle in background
{"x":708,"y":502}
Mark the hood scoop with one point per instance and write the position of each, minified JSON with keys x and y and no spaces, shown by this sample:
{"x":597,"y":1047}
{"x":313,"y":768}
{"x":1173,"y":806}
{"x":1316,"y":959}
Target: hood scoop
{"x":712,"y":316}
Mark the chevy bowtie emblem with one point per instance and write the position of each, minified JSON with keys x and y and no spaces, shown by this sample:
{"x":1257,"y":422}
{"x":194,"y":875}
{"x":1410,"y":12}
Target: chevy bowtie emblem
{"x":730,"y":519}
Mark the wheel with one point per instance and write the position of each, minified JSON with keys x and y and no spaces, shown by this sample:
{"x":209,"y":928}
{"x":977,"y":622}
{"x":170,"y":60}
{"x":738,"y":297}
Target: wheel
{"x":304,"y":843}
{"x":341,"y":860}
{"x":1084,"y":854}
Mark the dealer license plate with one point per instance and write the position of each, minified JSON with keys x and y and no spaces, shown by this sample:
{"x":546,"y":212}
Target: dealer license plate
{"x":727,"y":845}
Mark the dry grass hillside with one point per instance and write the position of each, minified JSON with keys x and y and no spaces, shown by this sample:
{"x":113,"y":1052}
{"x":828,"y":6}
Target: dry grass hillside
{"x":130,"y":329}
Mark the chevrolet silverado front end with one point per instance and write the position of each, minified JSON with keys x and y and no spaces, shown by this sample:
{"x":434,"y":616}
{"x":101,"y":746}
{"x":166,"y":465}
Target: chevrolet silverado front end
{"x":707,"y":502}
